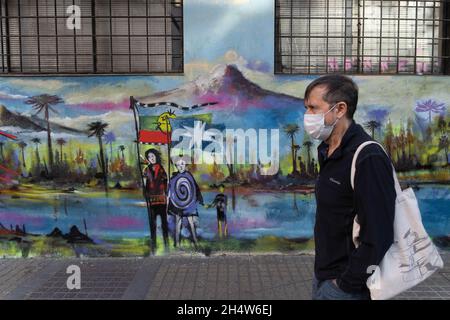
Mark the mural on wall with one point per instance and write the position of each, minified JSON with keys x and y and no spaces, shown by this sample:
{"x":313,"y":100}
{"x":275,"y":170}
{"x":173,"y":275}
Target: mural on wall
{"x":129,"y":166}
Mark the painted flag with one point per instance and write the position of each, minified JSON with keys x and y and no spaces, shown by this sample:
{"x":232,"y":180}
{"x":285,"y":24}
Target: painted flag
{"x":151,"y":122}
{"x":152,"y":135}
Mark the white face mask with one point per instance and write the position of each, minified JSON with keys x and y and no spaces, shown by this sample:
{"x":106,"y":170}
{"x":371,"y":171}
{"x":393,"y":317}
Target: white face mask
{"x":315,"y":125}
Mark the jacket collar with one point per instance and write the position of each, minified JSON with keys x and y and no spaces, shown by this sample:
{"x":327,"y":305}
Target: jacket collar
{"x":352,"y":130}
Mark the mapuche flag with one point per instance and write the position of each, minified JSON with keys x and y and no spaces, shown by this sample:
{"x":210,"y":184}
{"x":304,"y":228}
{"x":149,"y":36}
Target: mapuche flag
{"x":152,"y":136}
{"x":159,"y":137}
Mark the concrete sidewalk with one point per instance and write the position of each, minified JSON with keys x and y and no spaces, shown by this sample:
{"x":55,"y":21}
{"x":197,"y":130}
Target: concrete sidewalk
{"x":223,"y":277}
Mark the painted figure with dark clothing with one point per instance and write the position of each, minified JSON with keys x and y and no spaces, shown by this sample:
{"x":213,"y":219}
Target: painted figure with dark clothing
{"x":220,"y":203}
{"x":155,"y":179}
{"x":183,"y":196}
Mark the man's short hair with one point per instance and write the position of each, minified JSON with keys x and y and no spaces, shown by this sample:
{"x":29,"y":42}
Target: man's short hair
{"x":339,"y":88}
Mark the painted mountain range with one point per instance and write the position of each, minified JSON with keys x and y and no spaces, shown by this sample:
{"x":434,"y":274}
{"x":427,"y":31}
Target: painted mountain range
{"x":32,"y":123}
{"x":240,"y":103}
{"x":226,"y":85}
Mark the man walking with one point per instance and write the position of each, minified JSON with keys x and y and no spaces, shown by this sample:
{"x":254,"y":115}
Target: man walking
{"x":341,"y":270}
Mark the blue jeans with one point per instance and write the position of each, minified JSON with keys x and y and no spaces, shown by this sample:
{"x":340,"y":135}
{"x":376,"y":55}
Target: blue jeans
{"x":327,"y":290}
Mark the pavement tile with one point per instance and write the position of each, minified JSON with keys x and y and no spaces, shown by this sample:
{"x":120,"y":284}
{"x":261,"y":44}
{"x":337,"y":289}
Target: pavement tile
{"x":268,"y":277}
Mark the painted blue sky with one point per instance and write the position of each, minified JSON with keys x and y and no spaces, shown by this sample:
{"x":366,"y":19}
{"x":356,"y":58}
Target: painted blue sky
{"x":222,"y":25}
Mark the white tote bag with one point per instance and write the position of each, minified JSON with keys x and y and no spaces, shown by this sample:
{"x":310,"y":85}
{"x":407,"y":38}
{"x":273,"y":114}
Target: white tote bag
{"x":412,"y":257}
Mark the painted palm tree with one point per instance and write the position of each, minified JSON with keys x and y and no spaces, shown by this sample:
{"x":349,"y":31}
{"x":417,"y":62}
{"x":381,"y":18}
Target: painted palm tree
{"x":2,"y":144}
{"x":97,"y":129}
{"x":22,"y":145}
{"x":308,"y":145}
{"x":79,"y":158}
{"x":410,"y":138}
{"x":61,"y":142}
{"x":443,"y":145}
{"x":403,"y":141}
{"x":291,"y":130}
{"x":122,"y":149}
{"x":37,"y":142}
{"x":430,"y":106}
{"x":372,"y":125}
{"x":397,"y":143}
{"x":43,"y":103}
{"x":110,"y":138}
{"x":442,"y":124}
{"x":378,"y":113}
{"x":296,"y":151}
{"x":389,"y":138}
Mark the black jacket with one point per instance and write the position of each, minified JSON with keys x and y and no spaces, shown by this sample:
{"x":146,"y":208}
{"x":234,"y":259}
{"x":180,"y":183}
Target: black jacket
{"x":373,"y":200}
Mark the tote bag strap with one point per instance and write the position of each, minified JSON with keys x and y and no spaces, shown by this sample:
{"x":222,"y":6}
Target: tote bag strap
{"x":398,"y":189}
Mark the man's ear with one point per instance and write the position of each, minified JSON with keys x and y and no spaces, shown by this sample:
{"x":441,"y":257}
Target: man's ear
{"x":342,"y":109}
